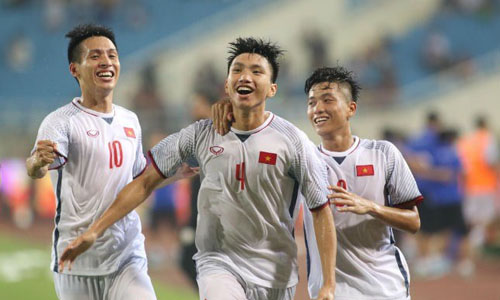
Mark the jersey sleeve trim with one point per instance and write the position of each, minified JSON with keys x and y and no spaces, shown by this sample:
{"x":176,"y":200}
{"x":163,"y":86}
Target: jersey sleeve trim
{"x":142,"y":171}
{"x":411,"y":203}
{"x":317,"y":208}
{"x":151,"y":158}
{"x":64,"y":160}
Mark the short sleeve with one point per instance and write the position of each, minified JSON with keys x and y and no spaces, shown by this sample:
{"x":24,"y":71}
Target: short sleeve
{"x":168,"y":155}
{"x":310,"y":171}
{"x":140,"y":160}
{"x":55,"y":128}
{"x":400,"y":183}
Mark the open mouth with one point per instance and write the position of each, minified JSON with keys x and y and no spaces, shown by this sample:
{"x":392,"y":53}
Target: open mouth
{"x":105,"y":74}
{"x":244,"y":90}
{"x":320,"y":120}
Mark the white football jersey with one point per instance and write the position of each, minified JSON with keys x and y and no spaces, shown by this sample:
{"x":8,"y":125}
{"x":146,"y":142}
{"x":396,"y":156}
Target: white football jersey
{"x":369,"y":265}
{"x":98,"y":154}
{"x":248,"y":196}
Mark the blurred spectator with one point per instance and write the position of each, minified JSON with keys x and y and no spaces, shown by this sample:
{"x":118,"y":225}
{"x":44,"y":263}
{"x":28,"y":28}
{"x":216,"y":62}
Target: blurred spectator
{"x":445,"y":225}
{"x":16,"y":190}
{"x":105,"y":10}
{"x":317,"y":49}
{"x":479,"y":152}
{"x":19,"y":52}
{"x":44,"y":198}
{"x":381,"y":84}
{"x":436,"y":51}
{"x":148,"y":103}
{"x":419,"y":157}
{"x":54,"y":14}
{"x":208,"y":81}
{"x":168,"y":210}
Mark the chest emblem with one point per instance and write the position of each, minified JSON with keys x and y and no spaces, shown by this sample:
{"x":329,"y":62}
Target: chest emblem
{"x":365,"y":170}
{"x":216,"y":150}
{"x":93,"y":133}
{"x":129,"y":132}
{"x":267,"y":158}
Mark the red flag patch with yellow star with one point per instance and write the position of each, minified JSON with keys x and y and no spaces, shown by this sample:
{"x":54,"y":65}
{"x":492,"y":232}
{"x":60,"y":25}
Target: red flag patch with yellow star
{"x":365,"y":170}
{"x":267,"y":158}
{"x":129,"y":132}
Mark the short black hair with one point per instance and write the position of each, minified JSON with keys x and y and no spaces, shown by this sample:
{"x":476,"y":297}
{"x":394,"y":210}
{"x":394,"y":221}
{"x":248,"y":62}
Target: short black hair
{"x":333,"y":74}
{"x":82,"y":32}
{"x":267,"y":49}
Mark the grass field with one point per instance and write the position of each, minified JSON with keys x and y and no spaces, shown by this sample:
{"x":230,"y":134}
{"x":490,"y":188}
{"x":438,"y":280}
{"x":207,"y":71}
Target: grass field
{"x":25,"y":274}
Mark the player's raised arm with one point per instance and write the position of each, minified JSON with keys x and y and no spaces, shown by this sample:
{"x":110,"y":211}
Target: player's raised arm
{"x":132,"y":195}
{"x":38,"y":163}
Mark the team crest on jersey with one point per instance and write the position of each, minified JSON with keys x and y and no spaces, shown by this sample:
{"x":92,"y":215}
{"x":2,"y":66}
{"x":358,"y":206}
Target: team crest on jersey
{"x":216,"y":150}
{"x":93,"y":133}
{"x":129,"y":132}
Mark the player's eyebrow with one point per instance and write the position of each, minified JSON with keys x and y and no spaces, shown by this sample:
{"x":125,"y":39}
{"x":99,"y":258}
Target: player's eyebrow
{"x":253,"y":66}
{"x":100,"y":50}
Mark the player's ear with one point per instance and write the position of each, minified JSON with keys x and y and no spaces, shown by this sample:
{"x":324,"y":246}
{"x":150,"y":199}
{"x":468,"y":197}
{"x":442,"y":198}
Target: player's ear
{"x":272,"y":91}
{"x":226,"y":87}
{"x":353,"y":106}
{"x":73,"y":69}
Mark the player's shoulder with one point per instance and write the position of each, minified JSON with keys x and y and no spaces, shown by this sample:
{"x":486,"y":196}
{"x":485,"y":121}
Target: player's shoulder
{"x":124,"y":112}
{"x":62,"y":114}
{"x":378,"y":145}
{"x":286,"y":128}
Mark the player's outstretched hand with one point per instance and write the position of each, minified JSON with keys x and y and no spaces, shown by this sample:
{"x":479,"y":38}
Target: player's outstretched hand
{"x":349,"y":202}
{"x":77,"y":247}
{"x":222,"y":116}
{"x":326,"y":293}
{"x":185,"y":171}
{"x":45,"y":153}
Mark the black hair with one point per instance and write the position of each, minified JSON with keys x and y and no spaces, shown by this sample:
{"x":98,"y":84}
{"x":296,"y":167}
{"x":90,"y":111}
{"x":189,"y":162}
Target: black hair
{"x":336,"y":74}
{"x":268,"y":50}
{"x":82,"y":32}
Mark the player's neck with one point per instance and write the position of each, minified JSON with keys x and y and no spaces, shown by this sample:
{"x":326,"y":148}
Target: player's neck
{"x":98,"y":102}
{"x":249,"y":120}
{"x":338,"y":142}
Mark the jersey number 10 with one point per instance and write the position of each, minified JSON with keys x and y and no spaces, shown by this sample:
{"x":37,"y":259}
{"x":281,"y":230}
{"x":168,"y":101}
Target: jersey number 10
{"x":115,"y":154}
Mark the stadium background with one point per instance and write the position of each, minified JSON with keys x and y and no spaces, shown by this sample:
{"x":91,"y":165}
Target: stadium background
{"x":410,"y":57}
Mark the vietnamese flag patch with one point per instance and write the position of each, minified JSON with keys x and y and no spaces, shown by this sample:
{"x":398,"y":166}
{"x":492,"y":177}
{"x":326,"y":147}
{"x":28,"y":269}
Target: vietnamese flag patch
{"x":267,"y":158}
{"x":129,"y":132}
{"x":365,"y":170}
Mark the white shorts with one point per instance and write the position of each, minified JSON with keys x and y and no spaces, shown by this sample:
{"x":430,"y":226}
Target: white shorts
{"x":130,"y":282}
{"x":221,"y":284}
{"x":479,"y":209}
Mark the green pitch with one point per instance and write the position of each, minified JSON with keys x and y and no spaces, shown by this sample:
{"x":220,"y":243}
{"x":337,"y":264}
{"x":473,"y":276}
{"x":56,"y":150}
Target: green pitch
{"x":24,"y":273}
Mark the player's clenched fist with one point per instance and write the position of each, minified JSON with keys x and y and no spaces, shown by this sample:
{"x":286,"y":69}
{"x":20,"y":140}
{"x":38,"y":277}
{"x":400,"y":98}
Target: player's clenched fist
{"x":38,"y":163}
{"x":45,"y":153}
